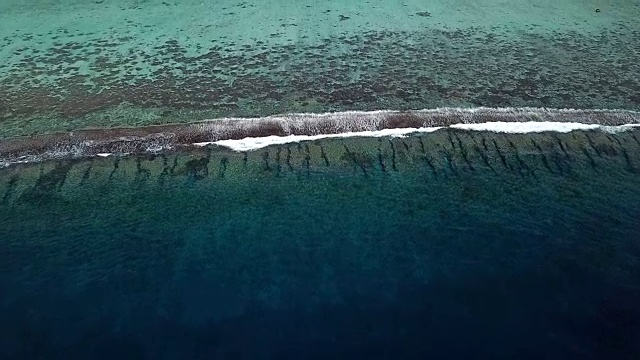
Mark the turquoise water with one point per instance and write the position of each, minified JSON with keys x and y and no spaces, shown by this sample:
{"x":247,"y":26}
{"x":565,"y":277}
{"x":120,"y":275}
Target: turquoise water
{"x":447,"y":245}
{"x":86,"y":63}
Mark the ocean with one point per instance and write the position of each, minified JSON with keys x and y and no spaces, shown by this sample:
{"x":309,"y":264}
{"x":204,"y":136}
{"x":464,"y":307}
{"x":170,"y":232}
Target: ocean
{"x":450,"y":244}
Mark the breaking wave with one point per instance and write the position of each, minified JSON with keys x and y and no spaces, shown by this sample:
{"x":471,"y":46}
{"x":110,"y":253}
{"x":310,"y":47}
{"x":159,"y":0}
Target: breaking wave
{"x":244,"y":134}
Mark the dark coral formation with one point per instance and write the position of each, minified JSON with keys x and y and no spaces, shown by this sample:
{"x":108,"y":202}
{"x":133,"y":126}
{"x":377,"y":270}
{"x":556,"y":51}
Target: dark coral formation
{"x":158,"y":139}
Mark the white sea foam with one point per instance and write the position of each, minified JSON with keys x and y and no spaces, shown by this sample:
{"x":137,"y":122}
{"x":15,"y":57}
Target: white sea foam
{"x":617,"y":129}
{"x":526,"y":127}
{"x":252,"y":143}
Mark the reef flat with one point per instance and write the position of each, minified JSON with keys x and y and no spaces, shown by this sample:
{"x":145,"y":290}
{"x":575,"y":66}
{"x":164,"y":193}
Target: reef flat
{"x":113,"y":63}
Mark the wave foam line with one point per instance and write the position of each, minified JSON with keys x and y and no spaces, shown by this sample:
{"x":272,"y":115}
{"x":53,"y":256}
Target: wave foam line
{"x":302,"y":127}
{"x":252,"y":143}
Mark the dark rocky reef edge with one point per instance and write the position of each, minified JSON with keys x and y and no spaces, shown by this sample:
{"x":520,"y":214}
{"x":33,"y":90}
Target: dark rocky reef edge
{"x":162,"y":138}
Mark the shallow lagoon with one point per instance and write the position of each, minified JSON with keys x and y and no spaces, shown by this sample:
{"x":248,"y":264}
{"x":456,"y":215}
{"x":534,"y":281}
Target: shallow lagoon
{"x":75,"y":64}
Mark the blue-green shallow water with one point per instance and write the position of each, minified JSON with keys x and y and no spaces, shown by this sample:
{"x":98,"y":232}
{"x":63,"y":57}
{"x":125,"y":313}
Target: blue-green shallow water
{"x":74,"y":64}
{"x":449,"y":245}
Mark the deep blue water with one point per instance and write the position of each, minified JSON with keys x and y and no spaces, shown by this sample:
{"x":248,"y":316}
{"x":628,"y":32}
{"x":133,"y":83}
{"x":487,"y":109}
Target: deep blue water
{"x":447,"y":246}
